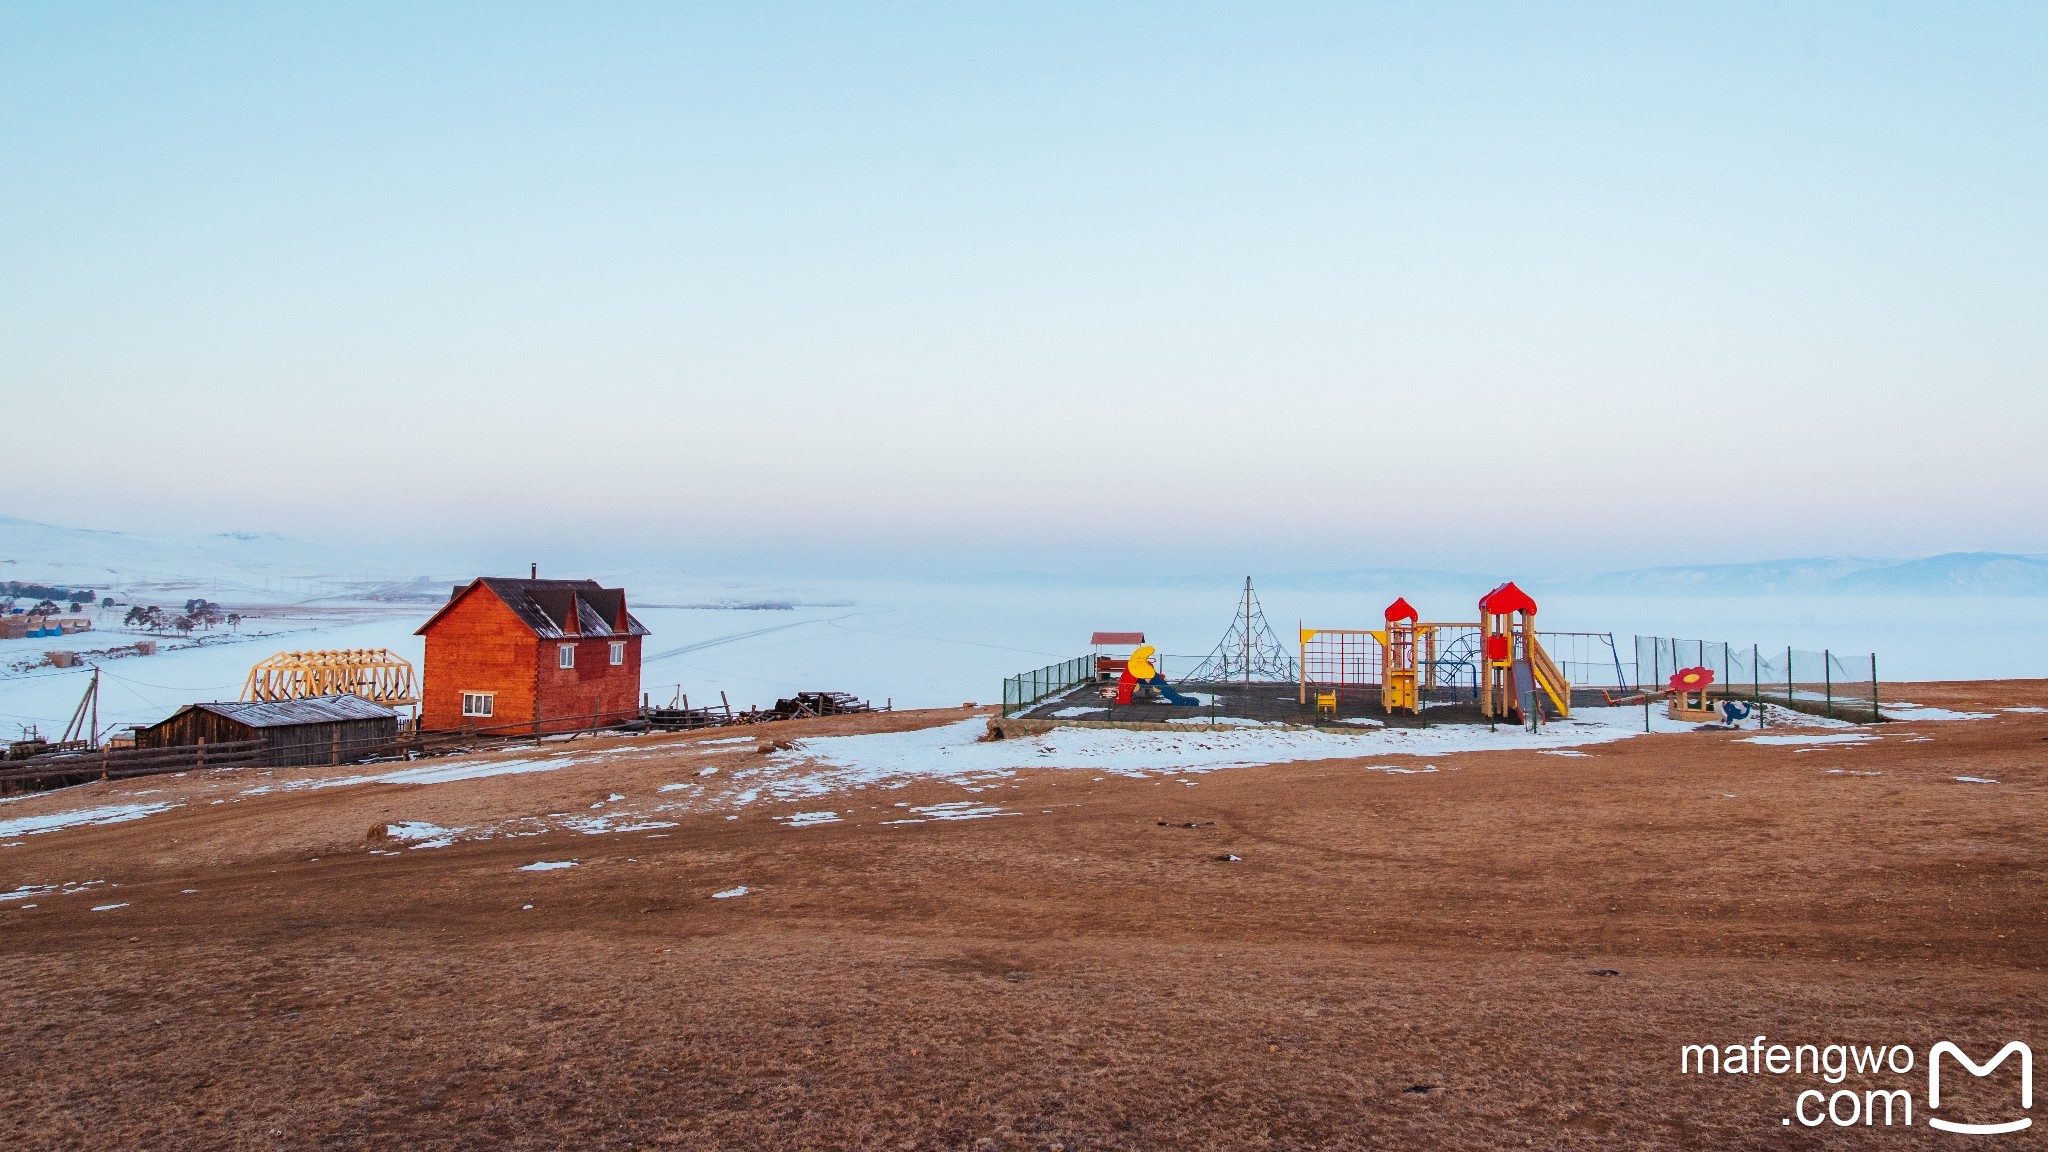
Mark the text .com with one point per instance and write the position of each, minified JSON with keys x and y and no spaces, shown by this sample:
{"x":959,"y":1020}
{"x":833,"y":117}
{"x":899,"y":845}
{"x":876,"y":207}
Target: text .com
{"x":1857,"y":1106}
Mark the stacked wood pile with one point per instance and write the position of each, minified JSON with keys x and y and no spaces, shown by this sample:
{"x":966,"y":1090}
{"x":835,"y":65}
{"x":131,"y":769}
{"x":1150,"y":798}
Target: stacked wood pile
{"x":820,"y":704}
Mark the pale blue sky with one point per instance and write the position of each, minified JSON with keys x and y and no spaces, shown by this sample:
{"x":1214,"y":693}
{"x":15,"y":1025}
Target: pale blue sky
{"x":1260,"y":285}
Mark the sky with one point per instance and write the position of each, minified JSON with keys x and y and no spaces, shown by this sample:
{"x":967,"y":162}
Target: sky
{"x":1031,"y":287}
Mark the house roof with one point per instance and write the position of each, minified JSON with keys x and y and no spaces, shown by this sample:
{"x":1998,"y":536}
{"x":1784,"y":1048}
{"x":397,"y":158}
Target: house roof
{"x":556,"y":609}
{"x":286,"y":713}
{"x":1116,"y":639}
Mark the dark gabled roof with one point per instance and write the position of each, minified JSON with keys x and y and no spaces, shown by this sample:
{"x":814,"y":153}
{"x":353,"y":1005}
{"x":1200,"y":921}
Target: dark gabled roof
{"x":285,"y":713}
{"x":549,"y":606}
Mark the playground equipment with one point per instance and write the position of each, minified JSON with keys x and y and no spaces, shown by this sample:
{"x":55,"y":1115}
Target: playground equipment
{"x":1401,"y":643}
{"x":1249,"y":651}
{"x":1139,"y":671}
{"x":1502,"y":662}
{"x":1398,"y":661}
{"x":1517,"y":677}
{"x":1119,"y":647}
{"x":1687,"y":696}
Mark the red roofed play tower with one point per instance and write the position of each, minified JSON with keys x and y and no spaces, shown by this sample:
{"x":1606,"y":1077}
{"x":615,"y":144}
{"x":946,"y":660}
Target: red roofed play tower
{"x":1516,"y":673}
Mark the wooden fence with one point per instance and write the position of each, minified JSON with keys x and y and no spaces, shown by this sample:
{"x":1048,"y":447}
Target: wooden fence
{"x":58,"y":770}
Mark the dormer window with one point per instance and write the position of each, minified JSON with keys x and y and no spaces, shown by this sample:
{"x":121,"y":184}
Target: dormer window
{"x":565,"y":656}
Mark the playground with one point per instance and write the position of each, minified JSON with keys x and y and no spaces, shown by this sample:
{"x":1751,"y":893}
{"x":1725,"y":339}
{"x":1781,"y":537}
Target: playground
{"x":1491,"y":665}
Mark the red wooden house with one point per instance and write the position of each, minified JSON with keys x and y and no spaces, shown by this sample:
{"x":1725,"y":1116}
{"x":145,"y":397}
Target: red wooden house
{"x":546,"y":655}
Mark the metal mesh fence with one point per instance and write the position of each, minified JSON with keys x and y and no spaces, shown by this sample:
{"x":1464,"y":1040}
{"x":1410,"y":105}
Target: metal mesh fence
{"x":1028,"y":688}
{"x":1826,"y":683}
{"x":1587,"y":659}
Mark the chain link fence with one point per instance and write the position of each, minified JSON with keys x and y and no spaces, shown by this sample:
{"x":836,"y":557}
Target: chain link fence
{"x":1842,"y":685}
{"x":1027,"y":688}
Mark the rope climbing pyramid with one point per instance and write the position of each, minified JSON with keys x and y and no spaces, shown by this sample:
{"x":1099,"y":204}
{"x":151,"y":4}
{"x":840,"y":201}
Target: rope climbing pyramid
{"x":1249,"y":652}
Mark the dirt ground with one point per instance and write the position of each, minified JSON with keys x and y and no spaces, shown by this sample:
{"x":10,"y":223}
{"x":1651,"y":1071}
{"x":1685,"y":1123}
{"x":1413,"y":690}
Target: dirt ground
{"x":1302,"y":955}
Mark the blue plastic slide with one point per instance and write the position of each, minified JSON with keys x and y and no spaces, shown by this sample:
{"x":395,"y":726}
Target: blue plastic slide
{"x":1173,"y":697}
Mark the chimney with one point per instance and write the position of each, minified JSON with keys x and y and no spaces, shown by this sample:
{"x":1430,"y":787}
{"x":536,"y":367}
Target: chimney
{"x":536,"y":572}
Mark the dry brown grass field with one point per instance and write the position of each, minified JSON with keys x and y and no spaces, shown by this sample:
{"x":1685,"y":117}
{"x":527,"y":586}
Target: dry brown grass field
{"x":1507,"y":952}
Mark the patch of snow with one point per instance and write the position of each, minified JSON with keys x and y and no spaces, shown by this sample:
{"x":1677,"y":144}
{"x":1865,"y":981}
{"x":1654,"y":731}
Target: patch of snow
{"x":956,"y":810}
{"x":956,"y":753}
{"x":2024,"y":708}
{"x":1800,"y":738}
{"x":443,"y":773}
{"x":1851,"y":772}
{"x":615,"y":822}
{"x":729,"y":893}
{"x":81,"y":817}
{"x":1400,"y":771}
{"x":1779,"y":716}
{"x":107,"y":907}
{"x":421,"y":834}
{"x":547,"y":865}
{"x":1070,"y":713}
{"x":1974,"y":780}
{"x":1923,"y":712}
{"x":1562,"y":752}
{"x":807,"y":819}
{"x":473,"y":770}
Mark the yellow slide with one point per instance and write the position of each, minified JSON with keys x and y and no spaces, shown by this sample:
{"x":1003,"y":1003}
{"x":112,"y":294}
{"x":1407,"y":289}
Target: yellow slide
{"x":1549,"y":678}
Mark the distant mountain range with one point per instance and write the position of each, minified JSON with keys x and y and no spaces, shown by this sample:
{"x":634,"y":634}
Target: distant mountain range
{"x":243,"y":564}
{"x":1949,"y":574}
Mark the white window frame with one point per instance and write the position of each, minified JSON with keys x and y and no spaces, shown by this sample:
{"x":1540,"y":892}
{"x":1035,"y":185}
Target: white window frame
{"x":479,"y":703}
{"x":618,"y":652}
{"x":565,"y":656}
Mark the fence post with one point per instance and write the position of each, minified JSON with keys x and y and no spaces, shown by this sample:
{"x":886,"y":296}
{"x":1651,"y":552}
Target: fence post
{"x":1827,"y":672}
{"x":1876,"y":709}
{"x":1756,"y":674}
{"x":1789,"y":703}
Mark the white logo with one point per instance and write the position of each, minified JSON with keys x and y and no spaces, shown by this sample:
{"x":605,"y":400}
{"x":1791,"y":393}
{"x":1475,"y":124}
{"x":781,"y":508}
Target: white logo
{"x":1984,"y":1069}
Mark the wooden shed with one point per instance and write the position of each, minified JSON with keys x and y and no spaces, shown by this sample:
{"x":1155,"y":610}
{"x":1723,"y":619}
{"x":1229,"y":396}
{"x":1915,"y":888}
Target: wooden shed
{"x":319,"y":730}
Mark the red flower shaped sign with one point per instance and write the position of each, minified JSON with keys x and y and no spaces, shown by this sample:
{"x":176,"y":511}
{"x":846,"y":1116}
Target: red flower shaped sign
{"x":1691,"y":679}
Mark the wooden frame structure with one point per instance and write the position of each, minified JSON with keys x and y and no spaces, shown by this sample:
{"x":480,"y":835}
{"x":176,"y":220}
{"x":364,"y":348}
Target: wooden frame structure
{"x":1514,"y":665}
{"x":375,"y":674}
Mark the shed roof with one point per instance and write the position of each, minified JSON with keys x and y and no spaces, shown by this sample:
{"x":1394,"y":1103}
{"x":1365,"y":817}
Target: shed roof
{"x":286,"y":713}
{"x":1116,"y":639}
{"x":556,"y":609}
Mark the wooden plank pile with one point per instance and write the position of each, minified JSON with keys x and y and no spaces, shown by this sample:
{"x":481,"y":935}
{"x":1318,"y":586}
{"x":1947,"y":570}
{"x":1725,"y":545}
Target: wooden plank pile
{"x":805,"y":704}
